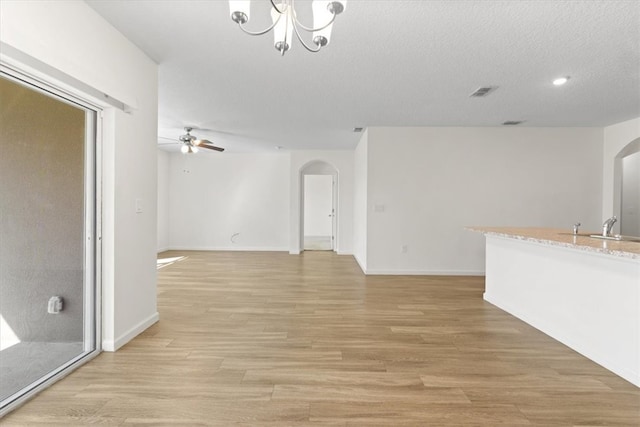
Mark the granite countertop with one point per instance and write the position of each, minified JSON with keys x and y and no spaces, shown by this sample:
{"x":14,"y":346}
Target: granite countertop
{"x":564,"y":238}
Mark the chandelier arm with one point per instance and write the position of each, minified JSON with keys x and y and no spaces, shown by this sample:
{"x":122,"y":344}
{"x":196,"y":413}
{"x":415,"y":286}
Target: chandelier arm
{"x":295,"y":28}
{"x":298,"y":23}
{"x":259,"y":33}
{"x":281,"y":12}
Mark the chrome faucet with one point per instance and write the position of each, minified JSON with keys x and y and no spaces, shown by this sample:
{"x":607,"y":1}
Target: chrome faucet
{"x":576,"y":228}
{"x":608,"y":225}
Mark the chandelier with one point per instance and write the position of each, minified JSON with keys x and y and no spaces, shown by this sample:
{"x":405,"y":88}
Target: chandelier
{"x":285,"y":21}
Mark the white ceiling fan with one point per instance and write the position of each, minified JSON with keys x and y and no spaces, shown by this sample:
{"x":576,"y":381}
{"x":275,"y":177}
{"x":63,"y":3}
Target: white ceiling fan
{"x":191,"y":144}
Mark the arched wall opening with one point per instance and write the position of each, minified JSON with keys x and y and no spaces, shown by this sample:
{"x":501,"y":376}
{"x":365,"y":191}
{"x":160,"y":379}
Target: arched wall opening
{"x":626,"y":188}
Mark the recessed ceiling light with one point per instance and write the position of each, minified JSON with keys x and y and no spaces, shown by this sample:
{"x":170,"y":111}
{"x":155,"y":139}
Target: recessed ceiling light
{"x":560,"y":81}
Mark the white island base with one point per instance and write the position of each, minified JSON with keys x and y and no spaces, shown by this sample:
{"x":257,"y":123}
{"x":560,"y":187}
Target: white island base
{"x":586,"y":296}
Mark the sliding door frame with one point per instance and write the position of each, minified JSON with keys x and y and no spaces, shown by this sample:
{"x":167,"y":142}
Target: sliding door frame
{"x":92,"y":283}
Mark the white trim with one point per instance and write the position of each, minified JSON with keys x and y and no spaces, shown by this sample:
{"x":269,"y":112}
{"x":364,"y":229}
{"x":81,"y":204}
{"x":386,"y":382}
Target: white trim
{"x":360,"y":264}
{"x":108,"y":345}
{"x":425,"y":272}
{"x":163,"y":249}
{"x":43,"y":73}
{"x":231,"y":248}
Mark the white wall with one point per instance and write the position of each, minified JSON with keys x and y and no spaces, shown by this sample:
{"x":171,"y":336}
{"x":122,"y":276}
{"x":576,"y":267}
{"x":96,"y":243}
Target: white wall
{"x":163,"y":201}
{"x":72,"y":38}
{"x":342,"y":161}
{"x":360,"y":200}
{"x":426,"y":184}
{"x":227,"y":201}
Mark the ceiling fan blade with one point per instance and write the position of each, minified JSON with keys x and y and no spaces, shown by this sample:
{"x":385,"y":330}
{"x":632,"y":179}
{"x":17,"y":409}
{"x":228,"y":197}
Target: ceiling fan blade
{"x":202,"y":141}
{"x":209,"y":146}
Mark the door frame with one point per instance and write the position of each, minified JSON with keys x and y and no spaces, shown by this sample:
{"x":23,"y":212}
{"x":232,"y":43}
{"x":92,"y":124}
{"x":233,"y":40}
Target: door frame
{"x":320,"y":167}
{"x":303,"y":182}
{"x":23,"y":74}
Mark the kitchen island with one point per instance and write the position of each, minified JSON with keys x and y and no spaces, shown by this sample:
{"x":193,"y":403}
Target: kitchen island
{"x":581,"y":291}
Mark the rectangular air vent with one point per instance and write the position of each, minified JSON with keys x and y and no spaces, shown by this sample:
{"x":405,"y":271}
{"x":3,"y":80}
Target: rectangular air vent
{"x":357,"y":130}
{"x":483,"y":91}
{"x":512,"y":122}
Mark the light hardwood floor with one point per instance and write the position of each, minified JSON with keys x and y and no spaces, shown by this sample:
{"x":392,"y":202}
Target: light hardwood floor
{"x":281,"y":340}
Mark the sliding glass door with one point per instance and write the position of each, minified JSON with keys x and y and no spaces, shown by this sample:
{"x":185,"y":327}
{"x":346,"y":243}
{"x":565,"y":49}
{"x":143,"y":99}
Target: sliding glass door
{"x":47,"y":236}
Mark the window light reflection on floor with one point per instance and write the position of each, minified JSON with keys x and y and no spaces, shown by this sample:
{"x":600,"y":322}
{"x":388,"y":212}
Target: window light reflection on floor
{"x":163,"y":262}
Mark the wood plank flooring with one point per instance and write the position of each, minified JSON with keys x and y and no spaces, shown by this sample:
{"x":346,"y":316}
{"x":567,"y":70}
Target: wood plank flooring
{"x":273,"y":339}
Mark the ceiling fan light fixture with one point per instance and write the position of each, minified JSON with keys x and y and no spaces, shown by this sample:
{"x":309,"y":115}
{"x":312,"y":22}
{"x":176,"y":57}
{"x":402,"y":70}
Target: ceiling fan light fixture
{"x":285,"y":22}
{"x":188,"y":149}
{"x":191,"y":144}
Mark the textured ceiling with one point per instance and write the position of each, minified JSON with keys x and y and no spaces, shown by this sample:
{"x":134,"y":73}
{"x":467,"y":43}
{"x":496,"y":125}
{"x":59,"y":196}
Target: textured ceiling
{"x":390,"y":63}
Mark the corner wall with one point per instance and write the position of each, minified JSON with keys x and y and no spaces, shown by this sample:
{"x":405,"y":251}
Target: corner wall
{"x":361,"y":168}
{"x":72,"y":38}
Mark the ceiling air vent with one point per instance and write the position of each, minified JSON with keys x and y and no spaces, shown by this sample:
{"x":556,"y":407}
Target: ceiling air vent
{"x":483,"y":91}
{"x":512,"y":122}
{"x":357,"y":130}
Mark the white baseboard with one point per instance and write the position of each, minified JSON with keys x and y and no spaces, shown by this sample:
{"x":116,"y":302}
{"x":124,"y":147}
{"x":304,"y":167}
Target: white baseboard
{"x":163,"y":249}
{"x":374,"y":272}
{"x":231,"y":248}
{"x":109,"y":345}
{"x":360,"y":264}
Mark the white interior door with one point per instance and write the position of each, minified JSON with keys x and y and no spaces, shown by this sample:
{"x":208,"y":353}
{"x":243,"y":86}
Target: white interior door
{"x":318,"y":212}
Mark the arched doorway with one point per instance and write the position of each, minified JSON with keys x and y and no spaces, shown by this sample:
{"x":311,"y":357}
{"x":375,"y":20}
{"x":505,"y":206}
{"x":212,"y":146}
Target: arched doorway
{"x":627,"y":188}
{"x":318,"y":206}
